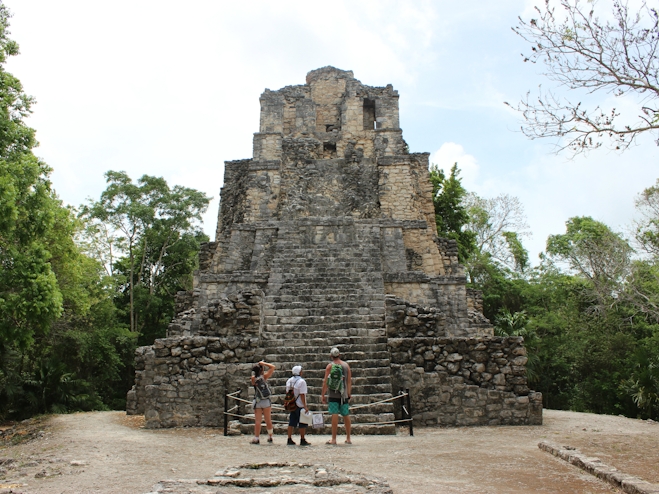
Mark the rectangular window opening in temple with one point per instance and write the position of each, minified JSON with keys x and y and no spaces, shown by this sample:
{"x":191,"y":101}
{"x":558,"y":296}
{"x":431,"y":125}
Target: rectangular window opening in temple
{"x":369,"y":114}
{"x":329,"y":150}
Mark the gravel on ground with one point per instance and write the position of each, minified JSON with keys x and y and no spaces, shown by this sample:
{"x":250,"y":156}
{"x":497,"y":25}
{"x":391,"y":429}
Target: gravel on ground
{"x":109,"y":452}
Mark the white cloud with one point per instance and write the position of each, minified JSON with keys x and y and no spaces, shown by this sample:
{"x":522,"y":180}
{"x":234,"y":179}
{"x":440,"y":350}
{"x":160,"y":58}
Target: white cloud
{"x":450,"y":153}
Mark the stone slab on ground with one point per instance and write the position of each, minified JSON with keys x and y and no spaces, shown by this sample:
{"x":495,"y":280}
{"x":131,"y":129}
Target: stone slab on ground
{"x":628,"y":483}
{"x":277,"y":478}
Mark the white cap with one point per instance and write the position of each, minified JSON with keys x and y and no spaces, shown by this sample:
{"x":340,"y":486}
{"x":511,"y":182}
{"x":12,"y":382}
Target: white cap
{"x":296,"y":370}
{"x":334,"y":352}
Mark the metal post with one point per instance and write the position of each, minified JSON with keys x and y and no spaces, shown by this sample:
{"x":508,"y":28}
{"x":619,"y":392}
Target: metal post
{"x":409,"y":412}
{"x":226,"y":409}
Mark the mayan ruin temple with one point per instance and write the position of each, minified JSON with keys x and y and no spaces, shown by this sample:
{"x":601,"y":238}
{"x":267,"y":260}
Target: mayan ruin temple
{"x":326,"y":237}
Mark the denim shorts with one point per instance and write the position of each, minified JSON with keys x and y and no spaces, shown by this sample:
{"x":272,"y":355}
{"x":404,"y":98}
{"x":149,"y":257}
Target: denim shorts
{"x":294,"y":419}
{"x":264,"y":403}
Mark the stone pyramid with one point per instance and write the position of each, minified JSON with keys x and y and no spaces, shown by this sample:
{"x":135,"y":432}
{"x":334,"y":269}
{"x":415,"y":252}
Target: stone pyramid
{"x":327,"y":237}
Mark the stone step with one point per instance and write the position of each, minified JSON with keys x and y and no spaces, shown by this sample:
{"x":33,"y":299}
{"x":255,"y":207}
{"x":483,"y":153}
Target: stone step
{"x":311,"y":337}
{"x":296,"y":290}
{"x":320,"y":350}
{"x":346,"y":320}
{"x":314,"y":309}
{"x":357,"y":398}
{"x":358,"y":429}
{"x":328,"y":326}
{"x":344,"y":250}
{"x":311,"y":353}
{"x":325,"y":282}
{"x":316,"y":379}
{"x":357,"y":371}
{"x":314,"y":401}
{"x":354,"y":307}
{"x":285,"y":364}
{"x":315,"y":390}
{"x":342,"y":267}
{"x":332,"y":276}
{"x":349,"y":335}
{"x":327,"y":297}
{"x":355,"y":418}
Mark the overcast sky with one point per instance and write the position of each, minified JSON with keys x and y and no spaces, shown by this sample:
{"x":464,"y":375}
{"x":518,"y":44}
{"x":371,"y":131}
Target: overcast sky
{"x":172,"y":89}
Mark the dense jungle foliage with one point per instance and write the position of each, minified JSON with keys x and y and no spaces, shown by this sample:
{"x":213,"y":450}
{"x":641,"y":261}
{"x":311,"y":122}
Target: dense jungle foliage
{"x":589,"y":312}
{"x":81,"y":288}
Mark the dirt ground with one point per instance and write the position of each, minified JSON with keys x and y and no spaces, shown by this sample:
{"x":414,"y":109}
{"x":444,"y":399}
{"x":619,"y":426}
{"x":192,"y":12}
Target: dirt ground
{"x":108,"y":452}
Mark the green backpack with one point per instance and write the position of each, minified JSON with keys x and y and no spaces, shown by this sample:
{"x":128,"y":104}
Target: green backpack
{"x":335,"y":378}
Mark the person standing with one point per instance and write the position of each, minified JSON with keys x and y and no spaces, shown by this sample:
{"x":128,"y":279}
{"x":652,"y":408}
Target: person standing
{"x":262,"y":404}
{"x":338,"y":380}
{"x":299,"y":387}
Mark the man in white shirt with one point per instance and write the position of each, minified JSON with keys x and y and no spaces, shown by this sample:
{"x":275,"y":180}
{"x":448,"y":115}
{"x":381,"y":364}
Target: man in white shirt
{"x":299,"y":387}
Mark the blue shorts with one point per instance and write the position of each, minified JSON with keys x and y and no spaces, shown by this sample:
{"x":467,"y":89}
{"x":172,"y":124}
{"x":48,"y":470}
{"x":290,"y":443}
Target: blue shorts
{"x":294,"y":419}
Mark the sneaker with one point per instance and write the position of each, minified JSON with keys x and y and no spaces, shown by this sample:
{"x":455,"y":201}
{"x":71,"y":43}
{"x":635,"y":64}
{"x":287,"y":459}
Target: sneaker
{"x":255,"y":440}
{"x":269,"y":439}
{"x":290,"y":442}
{"x":303,"y":442}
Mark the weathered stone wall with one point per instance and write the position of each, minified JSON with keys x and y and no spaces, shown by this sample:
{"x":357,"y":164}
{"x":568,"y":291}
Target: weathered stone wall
{"x":452,"y":381}
{"x":464,"y":381}
{"x":228,"y":314}
{"x":181,"y":381}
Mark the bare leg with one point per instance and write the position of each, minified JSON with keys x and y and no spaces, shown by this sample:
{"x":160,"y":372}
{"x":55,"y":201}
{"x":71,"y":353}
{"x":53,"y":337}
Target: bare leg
{"x":335,"y":428}
{"x":346,"y":421}
{"x":257,"y":422}
{"x":290,"y":432}
{"x":303,"y":431}
{"x":268,"y":420}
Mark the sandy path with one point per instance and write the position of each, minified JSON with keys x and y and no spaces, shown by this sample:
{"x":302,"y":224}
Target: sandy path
{"x":121,"y":457}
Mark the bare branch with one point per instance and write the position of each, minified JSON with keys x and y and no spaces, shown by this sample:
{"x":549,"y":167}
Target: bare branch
{"x":581,"y":52}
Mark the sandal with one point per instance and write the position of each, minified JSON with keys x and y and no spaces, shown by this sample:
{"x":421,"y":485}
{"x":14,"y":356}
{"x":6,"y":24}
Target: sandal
{"x":330,"y":443}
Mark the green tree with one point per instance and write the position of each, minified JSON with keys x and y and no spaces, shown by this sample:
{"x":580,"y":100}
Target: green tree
{"x":643,"y":384}
{"x":147,"y":236}
{"x":451,"y":215}
{"x":498,"y":225}
{"x":30,"y":299}
{"x":601,"y":256}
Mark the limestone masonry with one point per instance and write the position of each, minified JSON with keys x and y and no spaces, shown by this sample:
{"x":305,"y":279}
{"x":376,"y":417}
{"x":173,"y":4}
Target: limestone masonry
{"x":327,"y":237}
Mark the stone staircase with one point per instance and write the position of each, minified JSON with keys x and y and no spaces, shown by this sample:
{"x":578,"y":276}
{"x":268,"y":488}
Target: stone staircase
{"x":325,"y":295}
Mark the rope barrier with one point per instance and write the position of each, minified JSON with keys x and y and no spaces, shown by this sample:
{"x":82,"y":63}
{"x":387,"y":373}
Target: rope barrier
{"x":252,"y":418}
{"x":402,"y":394}
{"x":378,"y":402}
{"x":241,"y":399}
{"x":385,"y":423}
{"x":353,"y":407}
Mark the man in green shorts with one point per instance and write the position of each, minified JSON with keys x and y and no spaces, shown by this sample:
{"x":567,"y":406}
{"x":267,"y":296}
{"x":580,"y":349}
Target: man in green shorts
{"x":338,"y":381}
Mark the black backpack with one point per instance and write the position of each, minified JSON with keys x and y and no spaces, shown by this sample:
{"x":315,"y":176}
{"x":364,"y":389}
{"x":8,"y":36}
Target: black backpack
{"x":261,"y":389}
